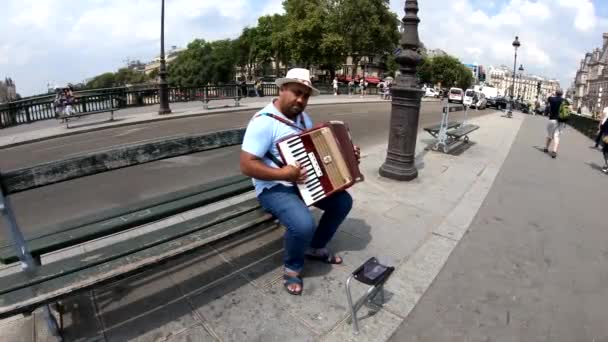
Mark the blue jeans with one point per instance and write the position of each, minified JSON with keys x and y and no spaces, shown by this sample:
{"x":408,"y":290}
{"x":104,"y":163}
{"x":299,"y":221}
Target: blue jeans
{"x":285,"y":203}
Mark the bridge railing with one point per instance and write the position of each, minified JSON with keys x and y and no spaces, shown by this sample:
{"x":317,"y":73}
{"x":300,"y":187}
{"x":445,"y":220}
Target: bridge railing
{"x":39,"y":108}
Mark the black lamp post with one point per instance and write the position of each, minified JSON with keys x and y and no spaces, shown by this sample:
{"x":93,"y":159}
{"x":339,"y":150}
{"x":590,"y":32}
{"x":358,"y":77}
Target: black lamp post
{"x":162,"y":84}
{"x":406,"y":98}
{"x":516,"y":46}
{"x":521,"y":82}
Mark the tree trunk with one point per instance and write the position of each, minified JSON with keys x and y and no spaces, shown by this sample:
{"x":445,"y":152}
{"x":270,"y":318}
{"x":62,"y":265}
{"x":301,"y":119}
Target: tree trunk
{"x":355,"y":65}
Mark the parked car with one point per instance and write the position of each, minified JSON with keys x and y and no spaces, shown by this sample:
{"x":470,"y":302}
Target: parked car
{"x":468,"y":97}
{"x":498,"y":102}
{"x":430,"y":92}
{"x":455,"y":95}
{"x":481,"y":103}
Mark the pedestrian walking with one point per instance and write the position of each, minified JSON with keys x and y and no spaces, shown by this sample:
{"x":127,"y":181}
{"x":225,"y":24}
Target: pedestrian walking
{"x":557,"y":121}
{"x":604,"y":141}
{"x":351,"y":87}
{"x":335,"y":84}
{"x":603,"y":118}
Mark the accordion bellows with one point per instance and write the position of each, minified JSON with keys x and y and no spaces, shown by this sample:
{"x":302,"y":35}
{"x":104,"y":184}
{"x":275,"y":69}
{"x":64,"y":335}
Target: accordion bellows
{"x":327,"y":152}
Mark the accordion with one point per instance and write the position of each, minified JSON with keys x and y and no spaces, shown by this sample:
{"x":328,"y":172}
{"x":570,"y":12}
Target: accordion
{"x":327,"y":153}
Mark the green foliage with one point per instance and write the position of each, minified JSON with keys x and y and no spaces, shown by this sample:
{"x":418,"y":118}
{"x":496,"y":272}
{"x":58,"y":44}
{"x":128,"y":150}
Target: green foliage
{"x":425,"y":71}
{"x":125,"y":76}
{"x":311,"y":32}
{"x":105,"y":80}
{"x":204,"y":62}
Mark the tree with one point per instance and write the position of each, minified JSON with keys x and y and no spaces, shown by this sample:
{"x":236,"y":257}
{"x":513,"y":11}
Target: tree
{"x":425,"y":71}
{"x":306,"y":23}
{"x":445,"y":69}
{"x":368,"y":27}
{"x":105,"y":80}
{"x":204,"y":62}
{"x":246,"y":50}
{"x":126,"y":76}
{"x":465,"y":77}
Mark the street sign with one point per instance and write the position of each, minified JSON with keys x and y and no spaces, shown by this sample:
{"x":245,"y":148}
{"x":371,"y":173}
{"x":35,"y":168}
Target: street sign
{"x":397,"y":51}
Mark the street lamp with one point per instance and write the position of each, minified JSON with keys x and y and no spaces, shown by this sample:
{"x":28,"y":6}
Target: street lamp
{"x":162,"y":84}
{"x":516,"y":46}
{"x":521,"y":81}
{"x":405,"y":103}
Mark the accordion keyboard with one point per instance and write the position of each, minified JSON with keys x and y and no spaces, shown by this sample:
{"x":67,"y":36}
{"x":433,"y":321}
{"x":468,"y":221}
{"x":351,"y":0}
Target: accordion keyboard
{"x":312,"y":190}
{"x":321,"y":157}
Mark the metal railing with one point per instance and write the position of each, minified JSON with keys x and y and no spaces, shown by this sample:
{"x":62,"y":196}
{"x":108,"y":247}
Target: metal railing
{"x":40,"y":108}
{"x":584,"y":124}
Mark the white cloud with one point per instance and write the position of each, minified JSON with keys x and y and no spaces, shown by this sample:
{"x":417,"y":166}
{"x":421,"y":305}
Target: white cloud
{"x":554,"y":35}
{"x":585,"y":18}
{"x":68,"y":41}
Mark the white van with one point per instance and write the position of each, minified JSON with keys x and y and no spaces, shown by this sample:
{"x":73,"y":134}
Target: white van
{"x":456,"y":95}
{"x":468,"y":97}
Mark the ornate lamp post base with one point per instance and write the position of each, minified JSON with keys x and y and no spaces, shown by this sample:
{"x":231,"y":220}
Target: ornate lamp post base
{"x":406,"y":98}
{"x":398,"y":170}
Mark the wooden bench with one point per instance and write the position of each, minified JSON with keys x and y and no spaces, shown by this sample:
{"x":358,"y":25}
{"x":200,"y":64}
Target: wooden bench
{"x":111,"y":107}
{"x":38,"y":285}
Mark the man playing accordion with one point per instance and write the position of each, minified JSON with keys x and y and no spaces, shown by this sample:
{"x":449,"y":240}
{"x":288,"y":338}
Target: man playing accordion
{"x":274,"y":182}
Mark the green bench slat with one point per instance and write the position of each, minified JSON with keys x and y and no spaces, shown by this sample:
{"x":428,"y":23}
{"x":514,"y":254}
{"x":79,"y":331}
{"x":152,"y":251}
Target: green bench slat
{"x":436,"y":127}
{"x":462,"y":131}
{"x":113,"y":221}
{"x":29,"y":298}
{"x":249,"y":209}
{"x":133,"y":207}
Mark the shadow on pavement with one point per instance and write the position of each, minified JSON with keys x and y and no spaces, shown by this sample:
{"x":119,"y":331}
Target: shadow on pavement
{"x":151,"y":303}
{"x":595,"y":166}
{"x":93,"y":123}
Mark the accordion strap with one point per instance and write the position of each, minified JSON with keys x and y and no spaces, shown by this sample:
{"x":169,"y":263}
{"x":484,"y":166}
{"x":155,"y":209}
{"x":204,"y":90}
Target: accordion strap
{"x":285,"y":121}
{"x":288,"y":123}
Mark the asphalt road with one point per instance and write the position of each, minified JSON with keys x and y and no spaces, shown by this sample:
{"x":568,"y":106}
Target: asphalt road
{"x":59,"y":202}
{"x":533,"y":265}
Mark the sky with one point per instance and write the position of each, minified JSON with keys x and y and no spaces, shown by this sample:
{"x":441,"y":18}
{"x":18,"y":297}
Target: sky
{"x":58,"y":41}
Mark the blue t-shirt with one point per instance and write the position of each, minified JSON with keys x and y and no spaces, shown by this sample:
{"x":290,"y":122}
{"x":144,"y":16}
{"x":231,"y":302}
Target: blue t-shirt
{"x":263,"y":133}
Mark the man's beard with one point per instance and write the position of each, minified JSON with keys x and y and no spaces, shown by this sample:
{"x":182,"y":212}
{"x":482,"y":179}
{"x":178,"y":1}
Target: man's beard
{"x":296,"y":110}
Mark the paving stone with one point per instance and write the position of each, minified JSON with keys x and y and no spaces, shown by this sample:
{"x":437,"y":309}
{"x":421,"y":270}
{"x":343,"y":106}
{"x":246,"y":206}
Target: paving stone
{"x":80,"y":321}
{"x":196,"y":333}
{"x":193,"y":272}
{"x":409,"y":282}
{"x":147,"y":307}
{"x":323,"y":302}
{"x":18,"y":330}
{"x":237,"y":311}
{"x":257,"y":253}
{"x":374,"y":326}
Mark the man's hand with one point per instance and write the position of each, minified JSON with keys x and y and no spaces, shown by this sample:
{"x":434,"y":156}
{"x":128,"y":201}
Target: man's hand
{"x":358,"y":153}
{"x":295,"y":173}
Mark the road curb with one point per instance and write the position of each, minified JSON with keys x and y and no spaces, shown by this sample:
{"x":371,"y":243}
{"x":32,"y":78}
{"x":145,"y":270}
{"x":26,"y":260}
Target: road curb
{"x":169,"y":117}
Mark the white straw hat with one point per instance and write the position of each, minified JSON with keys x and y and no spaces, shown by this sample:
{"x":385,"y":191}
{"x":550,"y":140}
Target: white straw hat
{"x":298,"y":75}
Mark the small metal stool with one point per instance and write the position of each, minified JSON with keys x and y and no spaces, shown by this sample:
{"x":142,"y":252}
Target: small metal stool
{"x":371,"y":273}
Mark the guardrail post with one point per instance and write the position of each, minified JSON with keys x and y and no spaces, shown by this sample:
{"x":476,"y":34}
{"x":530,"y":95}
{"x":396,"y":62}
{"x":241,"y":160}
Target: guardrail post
{"x":237,"y":96}
{"x":83,"y":102}
{"x":205,"y":97}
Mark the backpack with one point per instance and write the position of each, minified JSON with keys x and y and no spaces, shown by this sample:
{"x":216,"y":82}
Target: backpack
{"x":564,"y":111}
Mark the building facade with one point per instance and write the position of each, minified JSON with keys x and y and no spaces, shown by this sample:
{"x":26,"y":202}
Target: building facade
{"x":528,"y":88}
{"x":591,"y":80}
{"x":8,"y":90}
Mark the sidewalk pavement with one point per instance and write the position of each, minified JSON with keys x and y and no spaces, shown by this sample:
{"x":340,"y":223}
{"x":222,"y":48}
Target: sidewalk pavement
{"x":47,"y":129}
{"x":532,"y":266}
{"x":232,"y":290}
